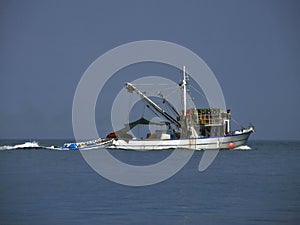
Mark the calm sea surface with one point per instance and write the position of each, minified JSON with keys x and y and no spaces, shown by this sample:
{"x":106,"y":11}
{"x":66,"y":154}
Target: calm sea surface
{"x":257,"y":186}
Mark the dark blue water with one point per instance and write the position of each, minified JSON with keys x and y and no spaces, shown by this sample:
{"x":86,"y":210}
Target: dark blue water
{"x":260,"y":186}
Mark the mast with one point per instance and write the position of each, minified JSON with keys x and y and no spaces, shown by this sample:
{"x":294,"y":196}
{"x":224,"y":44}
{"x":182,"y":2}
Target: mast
{"x":132,"y":88}
{"x":184,"y":121}
{"x":184,"y":92}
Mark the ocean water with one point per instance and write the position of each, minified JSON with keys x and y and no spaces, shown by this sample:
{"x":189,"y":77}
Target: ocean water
{"x":257,"y":186}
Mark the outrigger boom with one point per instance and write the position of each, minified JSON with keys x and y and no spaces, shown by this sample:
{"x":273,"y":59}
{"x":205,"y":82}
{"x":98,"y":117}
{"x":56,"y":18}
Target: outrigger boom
{"x":132,"y":88}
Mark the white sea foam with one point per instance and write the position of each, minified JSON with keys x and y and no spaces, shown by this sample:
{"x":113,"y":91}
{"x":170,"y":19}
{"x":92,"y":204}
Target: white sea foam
{"x":243,"y":147}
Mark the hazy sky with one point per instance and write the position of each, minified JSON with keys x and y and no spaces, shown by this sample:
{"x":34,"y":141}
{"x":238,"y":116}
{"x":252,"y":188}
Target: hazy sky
{"x":253,"y":48}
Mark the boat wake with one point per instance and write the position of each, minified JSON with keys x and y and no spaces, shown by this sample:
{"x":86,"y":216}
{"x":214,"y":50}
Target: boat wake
{"x":90,"y":145}
{"x":26,"y":145}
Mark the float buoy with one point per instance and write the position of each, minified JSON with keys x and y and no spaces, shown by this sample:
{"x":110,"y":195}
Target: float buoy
{"x":231,"y":145}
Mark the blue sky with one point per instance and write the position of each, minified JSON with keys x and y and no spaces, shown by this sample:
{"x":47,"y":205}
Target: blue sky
{"x":252,"y":47}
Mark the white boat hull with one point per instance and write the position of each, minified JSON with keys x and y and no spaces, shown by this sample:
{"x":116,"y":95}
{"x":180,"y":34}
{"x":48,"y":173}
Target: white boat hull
{"x":203,"y":143}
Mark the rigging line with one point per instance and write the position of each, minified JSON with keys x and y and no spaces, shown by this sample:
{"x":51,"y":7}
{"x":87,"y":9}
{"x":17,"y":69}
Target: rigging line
{"x":169,"y":105}
{"x":159,"y":90}
{"x":151,"y":84}
{"x":156,"y":84}
{"x":236,"y":122}
{"x":129,"y":104}
{"x":199,"y":92}
{"x":143,"y":110}
{"x":152,"y":110}
{"x":172,"y":92}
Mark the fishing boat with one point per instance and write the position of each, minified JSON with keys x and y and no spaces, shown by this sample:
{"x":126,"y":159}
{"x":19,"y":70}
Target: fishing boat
{"x":191,"y":128}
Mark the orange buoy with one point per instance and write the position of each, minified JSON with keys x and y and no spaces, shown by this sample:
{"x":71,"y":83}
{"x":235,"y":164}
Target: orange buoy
{"x":231,"y":145}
